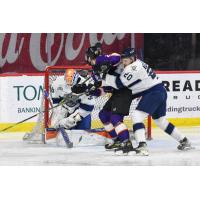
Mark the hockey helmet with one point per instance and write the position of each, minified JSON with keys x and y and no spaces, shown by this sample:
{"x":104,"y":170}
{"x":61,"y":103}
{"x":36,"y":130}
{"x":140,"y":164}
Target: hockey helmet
{"x":93,"y":52}
{"x":128,"y":53}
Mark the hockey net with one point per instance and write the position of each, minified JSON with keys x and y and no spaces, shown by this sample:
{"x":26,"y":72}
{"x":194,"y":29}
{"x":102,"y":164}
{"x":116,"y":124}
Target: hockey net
{"x":53,"y":75}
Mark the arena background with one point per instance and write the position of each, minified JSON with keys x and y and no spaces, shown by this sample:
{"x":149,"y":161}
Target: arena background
{"x":24,"y":57}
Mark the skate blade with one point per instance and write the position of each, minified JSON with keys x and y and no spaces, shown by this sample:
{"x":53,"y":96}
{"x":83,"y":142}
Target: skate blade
{"x":187,"y":149}
{"x":111,"y":149}
{"x":33,"y":141}
{"x":143,"y":153}
{"x":121,"y":153}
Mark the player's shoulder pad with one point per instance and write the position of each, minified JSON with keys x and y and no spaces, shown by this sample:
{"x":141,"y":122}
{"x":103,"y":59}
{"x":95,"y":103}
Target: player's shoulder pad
{"x":135,"y":66}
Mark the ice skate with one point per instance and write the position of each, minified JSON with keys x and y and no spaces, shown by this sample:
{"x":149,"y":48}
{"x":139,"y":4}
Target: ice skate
{"x":126,"y":148}
{"x":142,"y":149}
{"x":184,"y":144}
{"x":112,"y":146}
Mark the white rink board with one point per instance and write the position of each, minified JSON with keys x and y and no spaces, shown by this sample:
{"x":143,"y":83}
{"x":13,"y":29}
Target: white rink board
{"x":183,"y":95}
{"x":21,"y":96}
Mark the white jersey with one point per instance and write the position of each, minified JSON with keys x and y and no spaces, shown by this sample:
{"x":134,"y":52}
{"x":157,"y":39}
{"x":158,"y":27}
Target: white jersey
{"x":137,"y":76}
{"x":83,"y":105}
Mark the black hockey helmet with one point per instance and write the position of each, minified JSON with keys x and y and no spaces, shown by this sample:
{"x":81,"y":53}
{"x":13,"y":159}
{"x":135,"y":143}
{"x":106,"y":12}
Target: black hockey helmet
{"x":93,"y":52}
{"x":129,"y":52}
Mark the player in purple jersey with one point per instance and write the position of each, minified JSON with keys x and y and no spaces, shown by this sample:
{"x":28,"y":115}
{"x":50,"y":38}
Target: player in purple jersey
{"x":101,"y":62}
{"x":113,"y":112}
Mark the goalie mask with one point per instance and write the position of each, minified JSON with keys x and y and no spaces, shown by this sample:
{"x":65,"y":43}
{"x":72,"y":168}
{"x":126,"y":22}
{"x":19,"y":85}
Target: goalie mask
{"x":71,"y":77}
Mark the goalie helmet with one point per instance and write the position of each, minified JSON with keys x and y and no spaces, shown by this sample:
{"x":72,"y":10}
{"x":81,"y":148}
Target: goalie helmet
{"x":71,"y":77}
{"x":93,"y":52}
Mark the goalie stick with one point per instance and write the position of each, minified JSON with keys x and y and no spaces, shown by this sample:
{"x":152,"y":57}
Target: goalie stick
{"x":68,"y":97}
{"x":65,"y":136}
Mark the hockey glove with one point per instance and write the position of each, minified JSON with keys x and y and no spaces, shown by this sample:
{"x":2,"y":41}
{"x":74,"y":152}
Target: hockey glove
{"x":94,"y":86}
{"x":70,"y":121}
{"x":79,"y":88}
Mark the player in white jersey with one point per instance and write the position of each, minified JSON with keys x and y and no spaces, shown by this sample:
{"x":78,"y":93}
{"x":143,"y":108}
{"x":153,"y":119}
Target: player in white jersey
{"x":73,"y":114}
{"x":144,"y":83}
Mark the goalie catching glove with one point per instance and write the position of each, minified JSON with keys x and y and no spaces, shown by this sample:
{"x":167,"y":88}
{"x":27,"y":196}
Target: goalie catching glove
{"x":69,"y":122}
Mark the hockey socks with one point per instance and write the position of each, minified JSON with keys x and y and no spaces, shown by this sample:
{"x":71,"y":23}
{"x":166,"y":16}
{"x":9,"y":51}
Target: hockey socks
{"x":122,"y":132}
{"x":110,"y":130}
{"x":120,"y":128}
{"x":105,"y":117}
{"x":139,"y":131}
{"x":169,"y":128}
{"x":174,"y":132}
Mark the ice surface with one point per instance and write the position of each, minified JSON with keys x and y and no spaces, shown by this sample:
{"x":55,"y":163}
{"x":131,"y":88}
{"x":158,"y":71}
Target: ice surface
{"x":13,"y":151}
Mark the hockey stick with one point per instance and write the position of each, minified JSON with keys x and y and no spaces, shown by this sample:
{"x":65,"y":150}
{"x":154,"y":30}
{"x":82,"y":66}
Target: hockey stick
{"x":20,"y":122}
{"x":65,"y":137}
{"x":61,"y":103}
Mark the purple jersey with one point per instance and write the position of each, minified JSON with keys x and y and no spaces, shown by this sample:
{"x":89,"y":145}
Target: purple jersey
{"x":113,"y":59}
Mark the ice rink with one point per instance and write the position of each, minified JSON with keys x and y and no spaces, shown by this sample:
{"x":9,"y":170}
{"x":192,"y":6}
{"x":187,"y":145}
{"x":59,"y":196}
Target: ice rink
{"x":15,"y":152}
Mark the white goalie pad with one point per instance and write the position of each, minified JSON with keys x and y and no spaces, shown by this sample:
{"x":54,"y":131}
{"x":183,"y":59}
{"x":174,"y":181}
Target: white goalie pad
{"x":34,"y":138}
{"x":80,"y":138}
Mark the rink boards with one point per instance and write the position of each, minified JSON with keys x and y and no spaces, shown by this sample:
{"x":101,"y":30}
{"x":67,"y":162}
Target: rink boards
{"x":21,"y":98}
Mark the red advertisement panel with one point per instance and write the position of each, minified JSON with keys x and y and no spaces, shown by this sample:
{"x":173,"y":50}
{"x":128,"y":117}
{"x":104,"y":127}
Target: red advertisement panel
{"x":32,"y":52}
